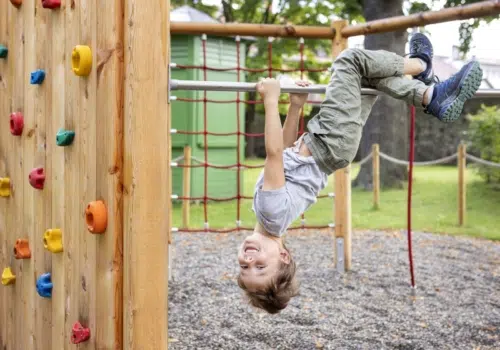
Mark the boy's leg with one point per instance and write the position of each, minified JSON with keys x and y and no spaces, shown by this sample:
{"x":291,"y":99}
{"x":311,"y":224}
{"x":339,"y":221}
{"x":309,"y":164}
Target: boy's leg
{"x":335,"y":132}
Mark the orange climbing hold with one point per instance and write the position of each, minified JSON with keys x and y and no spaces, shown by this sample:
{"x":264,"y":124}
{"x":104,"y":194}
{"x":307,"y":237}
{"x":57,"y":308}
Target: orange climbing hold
{"x":96,"y":216}
{"x":4,"y":187}
{"x":8,"y":277}
{"x":16,"y":3}
{"x":22,"y":249}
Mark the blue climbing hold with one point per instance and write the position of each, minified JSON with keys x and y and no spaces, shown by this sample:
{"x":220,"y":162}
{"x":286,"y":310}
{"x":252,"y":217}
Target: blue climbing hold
{"x":44,"y":285}
{"x":3,"y":51}
{"x":37,"y":76}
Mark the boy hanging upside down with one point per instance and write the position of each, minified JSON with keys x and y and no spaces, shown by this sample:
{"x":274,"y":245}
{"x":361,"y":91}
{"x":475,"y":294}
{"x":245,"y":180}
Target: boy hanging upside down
{"x":296,"y":171}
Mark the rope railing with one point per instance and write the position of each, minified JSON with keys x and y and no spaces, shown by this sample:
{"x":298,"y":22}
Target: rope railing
{"x":461,"y":155}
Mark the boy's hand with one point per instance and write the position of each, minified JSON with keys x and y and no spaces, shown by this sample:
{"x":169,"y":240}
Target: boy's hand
{"x":298,"y":100}
{"x":269,"y":89}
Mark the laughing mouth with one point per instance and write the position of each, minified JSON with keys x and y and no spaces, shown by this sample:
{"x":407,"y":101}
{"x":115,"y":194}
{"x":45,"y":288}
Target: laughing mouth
{"x":251,"y":250}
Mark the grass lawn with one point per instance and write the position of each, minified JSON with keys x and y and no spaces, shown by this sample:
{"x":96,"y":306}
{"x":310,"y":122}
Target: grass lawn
{"x":434,"y":206}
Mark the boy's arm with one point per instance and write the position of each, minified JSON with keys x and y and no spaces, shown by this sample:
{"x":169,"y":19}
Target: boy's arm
{"x":291,"y":125}
{"x":274,"y":175}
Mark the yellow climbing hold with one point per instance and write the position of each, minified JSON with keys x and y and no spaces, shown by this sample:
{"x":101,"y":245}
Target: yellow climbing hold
{"x":8,"y":277}
{"x":4,"y":187}
{"x":52,"y":240}
{"x":81,"y":60}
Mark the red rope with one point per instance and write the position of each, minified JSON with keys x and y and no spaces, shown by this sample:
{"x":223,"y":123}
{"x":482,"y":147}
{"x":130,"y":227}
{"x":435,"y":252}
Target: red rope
{"x":205,"y":135}
{"x":238,"y":173}
{"x":410,"y":183}
{"x":252,"y":70}
{"x":249,"y":102}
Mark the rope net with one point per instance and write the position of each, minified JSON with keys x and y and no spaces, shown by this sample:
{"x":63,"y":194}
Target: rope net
{"x":239,"y":166}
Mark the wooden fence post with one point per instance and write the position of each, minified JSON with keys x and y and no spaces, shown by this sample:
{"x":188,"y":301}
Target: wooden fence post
{"x":342,"y":211}
{"x":186,"y":186}
{"x":462,"y":187}
{"x":376,"y":175}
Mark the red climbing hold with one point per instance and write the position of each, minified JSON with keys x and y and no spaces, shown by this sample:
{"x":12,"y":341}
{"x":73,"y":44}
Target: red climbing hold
{"x":37,"y":178}
{"x":79,"y":334}
{"x":51,"y":4}
{"x":16,"y":3}
{"x":16,"y":123}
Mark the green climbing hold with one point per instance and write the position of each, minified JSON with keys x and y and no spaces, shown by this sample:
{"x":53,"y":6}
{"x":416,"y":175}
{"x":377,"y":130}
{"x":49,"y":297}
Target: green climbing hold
{"x":3,"y":51}
{"x":64,"y":137}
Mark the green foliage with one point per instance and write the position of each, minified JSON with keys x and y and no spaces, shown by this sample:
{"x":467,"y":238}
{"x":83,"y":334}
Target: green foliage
{"x":484,"y":137}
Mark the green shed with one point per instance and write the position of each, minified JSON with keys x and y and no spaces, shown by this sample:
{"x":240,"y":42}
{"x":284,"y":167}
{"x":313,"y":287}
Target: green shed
{"x":221,"y":52}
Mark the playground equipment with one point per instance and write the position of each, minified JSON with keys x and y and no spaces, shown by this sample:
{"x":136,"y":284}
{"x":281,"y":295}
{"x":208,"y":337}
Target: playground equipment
{"x":114,"y":284}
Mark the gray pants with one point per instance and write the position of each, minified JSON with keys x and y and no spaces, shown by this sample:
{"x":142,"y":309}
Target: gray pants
{"x":335,"y":132}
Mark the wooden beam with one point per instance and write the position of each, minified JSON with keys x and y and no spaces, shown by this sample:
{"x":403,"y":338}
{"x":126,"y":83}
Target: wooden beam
{"x":146,"y":191}
{"x":251,"y":29}
{"x":480,"y":9}
{"x":376,"y":175}
{"x":462,"y":183}
{"x":342,"y":208}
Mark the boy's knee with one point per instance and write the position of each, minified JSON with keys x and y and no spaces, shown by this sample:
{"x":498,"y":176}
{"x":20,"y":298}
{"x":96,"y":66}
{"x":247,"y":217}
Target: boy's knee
{"x":350,"y":55}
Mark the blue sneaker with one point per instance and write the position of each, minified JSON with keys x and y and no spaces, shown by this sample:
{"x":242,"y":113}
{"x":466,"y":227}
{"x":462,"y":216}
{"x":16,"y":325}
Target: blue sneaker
{"x":421,"y":47}
{"x":449,"y":96}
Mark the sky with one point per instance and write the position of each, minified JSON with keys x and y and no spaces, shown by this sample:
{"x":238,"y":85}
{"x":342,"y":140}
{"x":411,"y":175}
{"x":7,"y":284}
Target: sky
{"x":485,"y":45}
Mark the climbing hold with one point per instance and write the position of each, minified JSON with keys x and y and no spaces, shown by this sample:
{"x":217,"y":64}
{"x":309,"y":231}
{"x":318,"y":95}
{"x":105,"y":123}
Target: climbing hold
{"x":8,"y":277}
{"x":81,"y":60}
{"x":44,"y":285}
{"x":51,"y":4}
{"x":37,"y":77}
{"x":3,"y":51}
{"x":16,"y":123}
{"x":22,"y":249}
{"x":79,"y":334}
{"x":37,"y":178}
{"x":64,"y":137}
{"x":16,"y":3}
{"x":96,"y":216}
{"x":4,"y":187}
{"x":52,"y":240}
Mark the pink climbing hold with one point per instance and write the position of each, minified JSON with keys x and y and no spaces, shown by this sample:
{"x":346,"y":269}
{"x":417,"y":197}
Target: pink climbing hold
{"x":37,"y":178}
{"x":51,"y":4}
{"x":79,"y":334}
{"x":16,"y":123}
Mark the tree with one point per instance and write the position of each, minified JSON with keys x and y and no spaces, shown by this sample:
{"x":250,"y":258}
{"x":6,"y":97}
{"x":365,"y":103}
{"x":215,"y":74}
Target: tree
{"x":389,"y":120}
{"x":388,"y":124}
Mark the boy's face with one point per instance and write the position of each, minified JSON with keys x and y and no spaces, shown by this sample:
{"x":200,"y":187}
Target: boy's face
{"x":260,"y":257}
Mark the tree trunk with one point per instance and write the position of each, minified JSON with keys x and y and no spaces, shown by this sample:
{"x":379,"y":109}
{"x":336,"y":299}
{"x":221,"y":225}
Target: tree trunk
{"x":250,"y":128}
{"x":388,"y":124}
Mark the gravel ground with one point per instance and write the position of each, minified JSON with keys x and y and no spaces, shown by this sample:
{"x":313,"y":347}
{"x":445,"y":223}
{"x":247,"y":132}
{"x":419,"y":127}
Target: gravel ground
{"x":456,"y":304}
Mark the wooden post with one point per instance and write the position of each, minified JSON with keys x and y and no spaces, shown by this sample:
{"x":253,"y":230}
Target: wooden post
{"x":376,"y":175}
{"x":186,"y":186}
{"x":462,"y":187}
{"x":342,"y":211}
{"x":147,"y":194}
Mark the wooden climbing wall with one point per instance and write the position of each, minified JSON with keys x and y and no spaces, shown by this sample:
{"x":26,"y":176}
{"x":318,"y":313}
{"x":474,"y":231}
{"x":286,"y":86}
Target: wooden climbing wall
{"x":87,"y":276}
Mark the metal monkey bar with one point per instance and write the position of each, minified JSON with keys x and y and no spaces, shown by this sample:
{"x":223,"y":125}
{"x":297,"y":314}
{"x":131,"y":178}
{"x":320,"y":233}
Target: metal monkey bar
{"x":197,"y":85}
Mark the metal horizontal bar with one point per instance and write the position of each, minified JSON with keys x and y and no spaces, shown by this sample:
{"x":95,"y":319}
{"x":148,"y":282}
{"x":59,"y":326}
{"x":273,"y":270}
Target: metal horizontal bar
{"x":248,"y":87}
{"x":194,"y":85}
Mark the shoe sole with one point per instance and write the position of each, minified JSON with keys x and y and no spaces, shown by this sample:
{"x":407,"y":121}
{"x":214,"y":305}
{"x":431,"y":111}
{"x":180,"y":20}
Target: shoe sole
{"x":467,"y":88}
